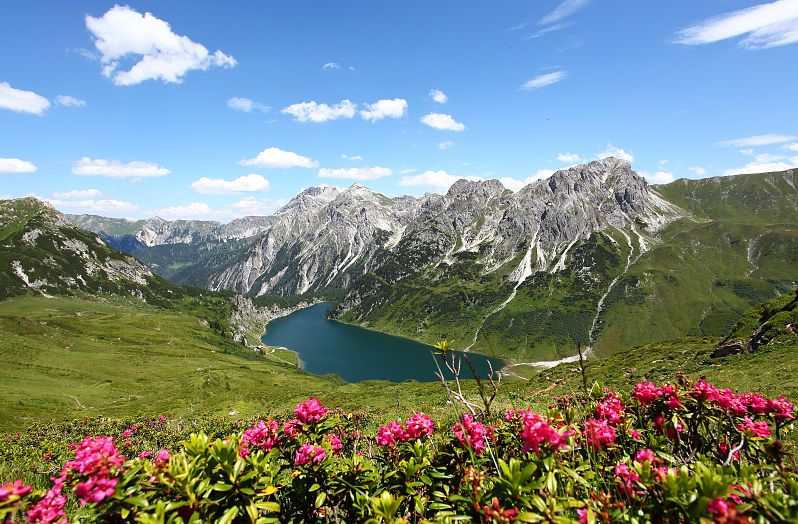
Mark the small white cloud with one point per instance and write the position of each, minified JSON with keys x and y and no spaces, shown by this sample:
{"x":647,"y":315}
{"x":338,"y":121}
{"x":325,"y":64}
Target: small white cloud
{"x":15,"y":165}
{"x":77,"y":194}
{"x":273,"y":157}
{"x":438,"y":96}
{"x":546,"y":30}
{"x":407,"y":170}
{"x":123,"y":32}
{"x":565,"y":9}
{"x":244,"y":184}
{"x":252,"y":206}
{"x":22,"y":101}
{"x":616,"y":152}
{"x":446,"y":144}
{"x":543,"y":80}
{"x":246,"y":105}
{"x":791,"y":147}
{"x":116,"y":169}
{"x":660,"y":177}
{"x":568,"y":158}
{"x":315,"y":112}
{"x":766,"y":25}
{"x":193,"y":210}
{"x":386,"y":108}
{"x":330,"y":65}
{"x":440,"y":180}
{"x":765,"y":163}
{"x":513,"y":184}
{"x":356,"y":173}
{"x":698,"y":171}
{"x":442,"y":121}
{"x":758,"y":140}
{"x":94,"y":206}
{"x":69,"y":101}
{"x":351,"y":157}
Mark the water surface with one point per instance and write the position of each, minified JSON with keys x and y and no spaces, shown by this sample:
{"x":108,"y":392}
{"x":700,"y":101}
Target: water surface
{"x":354,"y":353}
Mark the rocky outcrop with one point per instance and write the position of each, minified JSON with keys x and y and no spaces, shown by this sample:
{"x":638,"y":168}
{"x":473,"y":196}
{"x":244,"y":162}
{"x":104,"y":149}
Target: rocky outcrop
{"x":247,"y":320}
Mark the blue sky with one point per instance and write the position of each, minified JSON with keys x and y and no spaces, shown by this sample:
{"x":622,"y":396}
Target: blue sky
{"x":217,"y":110}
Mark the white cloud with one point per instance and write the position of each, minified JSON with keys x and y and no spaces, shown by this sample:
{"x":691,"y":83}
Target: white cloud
{"x":791,"y":147}
{"x":544,"y":80}
{"x":22,"y":101}
{"x":244,"y":184}
{"x":69,"y":101}
{"x":78,"y":194}
{"x":616,"y":152}
{"x":356,"y":173}
{"x":386,"y":108}
{"x":698,"y":171}
{"x":116,"y":169}
{"x":330,"y":65}
{"x":252,"y":206}
{"x":94,"y":206}
{"x":440,"y":180}
{"x":660,"y":177}
{"x":765,"y":163}
{"x":15,"y":165}
{"x":277,"y":158}
{"x":547,"y":30}
{"x":758,"y":140}
{"x":123,"y":33}
{"x":565,"y":9}
{"x":351,"y":157}
{"x":513,"y":184}
{"x":446,"y":144}
{"x":766,"y":25}
{"x":314,"y":112}
{"x":568,"y":158}
{"x":246,"y":105}
{"x":438,"y":96}
{"x":407,"y":170}
{"x":442,"y":121}
{"x":188,"y":211}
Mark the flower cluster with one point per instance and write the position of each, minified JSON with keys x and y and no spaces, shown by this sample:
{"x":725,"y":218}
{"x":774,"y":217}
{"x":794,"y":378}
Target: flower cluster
{"x":263,"y":435}
{"x":472,"y":434}
{"x":417,"y":426}
{"x":309,"y":454}
{"x":599,"y":433}
{"x":537,"y":430}
{"x":310,"y":411}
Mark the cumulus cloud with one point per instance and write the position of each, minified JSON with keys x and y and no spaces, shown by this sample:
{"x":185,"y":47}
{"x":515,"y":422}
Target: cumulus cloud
{"x":351,"y":157}
{"x":791,"y":147}
{"x":698,"y":171}
{"x":124,"y":33}
{"x":244,"y":184}
{"x":252,"y":206}
{"x":386,"y":108}
{"x":543,"y":80}
{"x":565,"y":9}
{"x":22,"y":101}
{"x":764,"y":163}
{"x":660,"y":177}
{"x":766,"y":25}
{"x":15,"y":165}
{"x":616,"y":152}
{"x":356,"y":173}
{"x":513,"y":184}
{"x":758,"y":140}
{"x":438,"y":96}
{"x":78,"y":194}
{"x":316,"y":113}
{"x":442,"y":121}
{"x":93,"y":206}
{"x":440,"y":180}
{"x":568,"y":158}
{"x":330,"y":65}
{"x":246,"y":105}
{"x":273,"y":157}
{"x":188,"y":211}
{"x":69,"y":101}
{"x":446,"y":144}
{"x":116,"y":169}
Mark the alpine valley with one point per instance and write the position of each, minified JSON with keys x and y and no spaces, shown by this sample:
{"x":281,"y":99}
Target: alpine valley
{"x":593,"y":256}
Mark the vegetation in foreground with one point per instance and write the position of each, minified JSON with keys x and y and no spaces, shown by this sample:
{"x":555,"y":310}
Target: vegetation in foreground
{"x":684,"y":451}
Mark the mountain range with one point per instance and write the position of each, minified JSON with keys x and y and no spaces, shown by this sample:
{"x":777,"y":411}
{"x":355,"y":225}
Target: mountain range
{"x":593,"y":255}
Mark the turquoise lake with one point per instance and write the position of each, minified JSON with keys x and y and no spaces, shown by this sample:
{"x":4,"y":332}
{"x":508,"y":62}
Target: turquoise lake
{"x":356,"y":354}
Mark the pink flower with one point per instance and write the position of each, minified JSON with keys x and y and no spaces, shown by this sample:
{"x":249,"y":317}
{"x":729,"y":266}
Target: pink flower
{"x":634,"y":434}
{"x":599,"y":433}
{"x":626,"y":479}
{"x":781,"y":408}
{"x":645,"y":455}
{"x":536,"y":430}
{"x":417,"y":426}
{"x":390,"y":434}
{"x":291,"y":427}
{"x":163,"y":458}
{"x":309,"y":453}
{"x":98,"y":460}
{"x":335,"y":443}
{"x":127,"y":433}
{"x":719,"y":508}
{"x":50,"y":509}
{"x":756,"y":403}
{"x":162,"y":419}
{"x":310,"y":411}
{"x":472,"y":434}
{"x":145,"y":455}
{"x":582,"y":512}
{"x":128,"y":443}
{"x":758,"y":429}
{"x":703,"y":390}
{"x":724,"y":450}
{"x":263,"y":435}
{"x":646,"y":392}
{"x":670,"y":430}
{"x":95,"y":489}
{"x":610,"y":409}
{"x":16,"y":490}
{"x":727,"y":400}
